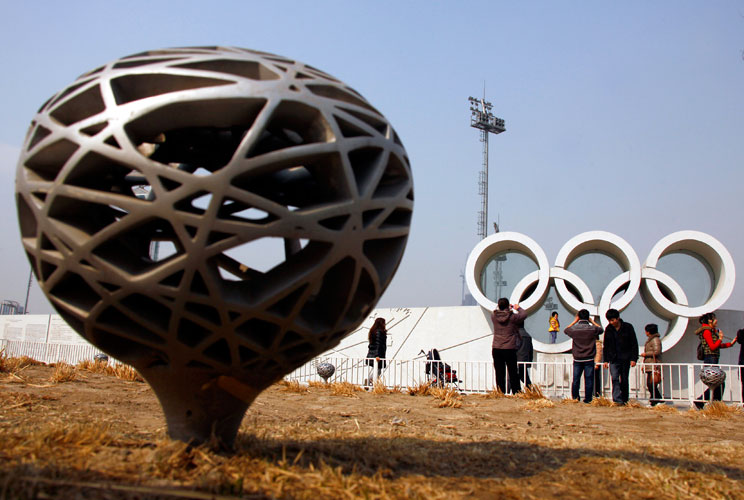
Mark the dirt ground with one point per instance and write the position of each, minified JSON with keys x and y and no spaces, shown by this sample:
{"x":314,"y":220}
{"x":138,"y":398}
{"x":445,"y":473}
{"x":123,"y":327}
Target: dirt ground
{"x":98,"y":436}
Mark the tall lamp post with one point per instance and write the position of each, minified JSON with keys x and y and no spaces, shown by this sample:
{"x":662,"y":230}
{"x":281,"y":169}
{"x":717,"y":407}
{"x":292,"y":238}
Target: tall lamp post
{"x":482,"y":119}
{"x":28,"y":290}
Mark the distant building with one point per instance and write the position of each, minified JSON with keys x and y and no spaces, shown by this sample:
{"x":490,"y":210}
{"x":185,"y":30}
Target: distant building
{"x":468,"y":300}
{"x":10,"y":307}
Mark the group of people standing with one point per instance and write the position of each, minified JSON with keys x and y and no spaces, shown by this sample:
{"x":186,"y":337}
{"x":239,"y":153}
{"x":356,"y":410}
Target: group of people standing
{"x":618,"y":351}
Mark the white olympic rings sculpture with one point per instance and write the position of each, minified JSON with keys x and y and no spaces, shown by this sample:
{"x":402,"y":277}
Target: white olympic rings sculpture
{"x":658,"y":287}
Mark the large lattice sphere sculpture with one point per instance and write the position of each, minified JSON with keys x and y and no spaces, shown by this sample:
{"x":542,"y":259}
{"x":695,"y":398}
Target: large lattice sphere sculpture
{"x":149,"y":189}
{"x":712,"y":376}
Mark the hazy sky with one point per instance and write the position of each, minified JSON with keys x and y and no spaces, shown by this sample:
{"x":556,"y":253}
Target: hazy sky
{"x":625,"y":116}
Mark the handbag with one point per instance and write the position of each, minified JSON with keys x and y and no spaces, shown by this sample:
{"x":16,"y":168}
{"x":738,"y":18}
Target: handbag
{"x":700,"y":351}
{"x":656,"y":374}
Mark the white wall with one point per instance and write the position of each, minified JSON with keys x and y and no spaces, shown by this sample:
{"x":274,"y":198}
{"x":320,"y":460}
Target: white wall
{"x":464,"y":334}
{"x":461,"y":333}
{"x":49,"y":328}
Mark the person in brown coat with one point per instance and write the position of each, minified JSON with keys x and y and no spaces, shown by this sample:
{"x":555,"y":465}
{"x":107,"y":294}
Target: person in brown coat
{"x":506,"y":340}
{"x":650,"y":356}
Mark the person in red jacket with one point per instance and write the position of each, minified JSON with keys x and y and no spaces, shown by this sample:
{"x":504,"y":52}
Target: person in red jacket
{"x":506,"y":341}
{"x":712,"y":340}
{"x":740,"y":341}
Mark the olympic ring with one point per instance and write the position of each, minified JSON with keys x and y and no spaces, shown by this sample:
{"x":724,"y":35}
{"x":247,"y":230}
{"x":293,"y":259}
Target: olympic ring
{"x":663,"y":295}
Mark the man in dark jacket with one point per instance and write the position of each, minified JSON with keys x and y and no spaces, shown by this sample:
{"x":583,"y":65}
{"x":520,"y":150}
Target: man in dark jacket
{"x":621,"y":353}
{"x":584,"y":332}
{"x":525,"y":353}
{"x":505,"y":343}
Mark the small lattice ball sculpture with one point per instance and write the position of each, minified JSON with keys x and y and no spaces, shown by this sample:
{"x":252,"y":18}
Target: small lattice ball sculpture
{"x":712,"y":376}
{"x":149,"y":187}
{"x":326,"y":370}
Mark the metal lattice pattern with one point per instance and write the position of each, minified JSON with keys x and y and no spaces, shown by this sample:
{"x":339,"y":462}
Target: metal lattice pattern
{"x":142,"y":183}
{"x":712,"y":376}
{"x":326,"y":370}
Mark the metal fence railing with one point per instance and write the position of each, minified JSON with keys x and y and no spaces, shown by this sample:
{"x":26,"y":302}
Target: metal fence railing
{"x":49,"y":353}
{"x":680,"y":382}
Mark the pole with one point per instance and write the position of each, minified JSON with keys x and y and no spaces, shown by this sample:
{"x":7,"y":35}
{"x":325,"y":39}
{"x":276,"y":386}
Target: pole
{"x":484,"y":221}
{"x":28,"y":290}
{"x":483,"y":119}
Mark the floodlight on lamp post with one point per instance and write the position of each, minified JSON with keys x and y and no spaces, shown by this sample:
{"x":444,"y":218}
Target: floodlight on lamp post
{"x":482,"y":119}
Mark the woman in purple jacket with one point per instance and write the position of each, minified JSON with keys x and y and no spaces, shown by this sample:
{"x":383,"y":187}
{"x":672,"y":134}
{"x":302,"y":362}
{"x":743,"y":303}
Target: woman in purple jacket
{"x":506,"y":340}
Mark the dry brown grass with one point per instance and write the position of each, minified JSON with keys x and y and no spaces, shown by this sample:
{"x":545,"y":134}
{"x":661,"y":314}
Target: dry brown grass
{"x":344,"y":389}
{"x":13,"y":400}
{"x":662,"y":408}
{"x":126,"y":372}
{"x":538,"y":404}
{"x":293,"y":386}
{"x":380,"y":388}
{"x":94,"y":367}
{"x":571,"y":401}
{"x":531,"y":392}
{"x":716,"y":410}
{"x":13,"y":365}
{"x":63,"y":372}
{"x":449,"y":397}
{"x":374,"y":447}
{"x":420,"y":389}
{"x":494,"y":393}
{"x":601,"y":401}
{"x":119,"y":370}
{"x":314,"y":384}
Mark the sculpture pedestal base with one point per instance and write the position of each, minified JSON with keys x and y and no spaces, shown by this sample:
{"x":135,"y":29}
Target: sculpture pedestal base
{"x":200,"y":408}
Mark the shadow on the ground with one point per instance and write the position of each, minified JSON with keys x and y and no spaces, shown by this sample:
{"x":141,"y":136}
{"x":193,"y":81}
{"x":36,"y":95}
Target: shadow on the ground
{"x":401,"y":456}
{"x":388,"y":457}
{"x":28,"y":482}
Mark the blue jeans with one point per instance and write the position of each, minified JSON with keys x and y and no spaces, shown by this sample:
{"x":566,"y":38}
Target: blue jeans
{"x":553,"y":336}
{"x":619,"y":372}
{"x":587,"y":368}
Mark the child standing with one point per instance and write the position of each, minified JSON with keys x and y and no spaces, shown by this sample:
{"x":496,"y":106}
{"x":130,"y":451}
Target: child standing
{"x":553,"y":326}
